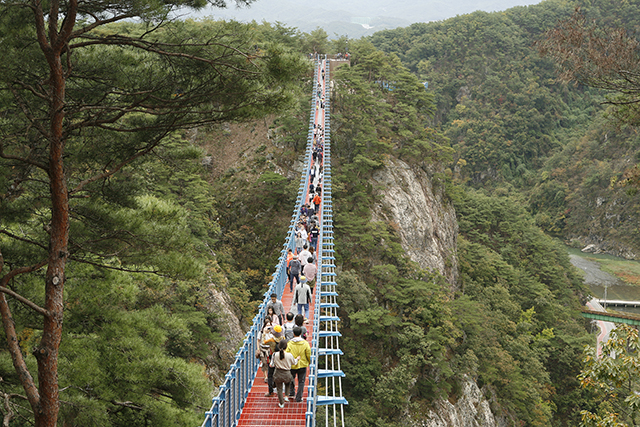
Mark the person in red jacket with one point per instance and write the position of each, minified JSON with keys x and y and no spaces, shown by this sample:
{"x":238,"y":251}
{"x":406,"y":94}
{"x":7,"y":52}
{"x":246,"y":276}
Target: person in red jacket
{"x":316,"y":201}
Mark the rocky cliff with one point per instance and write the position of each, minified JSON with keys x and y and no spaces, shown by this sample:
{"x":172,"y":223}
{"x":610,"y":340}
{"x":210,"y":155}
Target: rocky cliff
{"x":231,"y":330}
{"x":427,"y":225}
{"x":606,"y":224}
{"x":471,"y":410}
{"x":425,"y":220}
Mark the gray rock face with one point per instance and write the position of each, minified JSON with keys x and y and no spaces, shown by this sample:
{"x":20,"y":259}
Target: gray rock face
{"x":590,"y":249}
{"x":230,"y":327}
{"x":596,"y":244}
{"x":425,"y":221}
{"x":471,"y":410}
{"x":427,"y":225}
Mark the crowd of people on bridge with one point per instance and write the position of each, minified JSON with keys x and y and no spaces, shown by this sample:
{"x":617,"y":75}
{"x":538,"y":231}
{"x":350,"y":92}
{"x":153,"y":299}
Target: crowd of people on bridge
{"x":283,"y":346}
{"x":279,"y":370}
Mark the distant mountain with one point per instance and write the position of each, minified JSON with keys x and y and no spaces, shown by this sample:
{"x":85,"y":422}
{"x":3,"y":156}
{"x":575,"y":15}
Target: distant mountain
{"x":356,"y":18}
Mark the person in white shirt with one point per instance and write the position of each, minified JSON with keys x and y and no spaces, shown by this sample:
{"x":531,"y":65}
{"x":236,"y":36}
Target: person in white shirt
{"x":304,"y":255}
{"x":302,"y":297}
{"x":283,"y":361}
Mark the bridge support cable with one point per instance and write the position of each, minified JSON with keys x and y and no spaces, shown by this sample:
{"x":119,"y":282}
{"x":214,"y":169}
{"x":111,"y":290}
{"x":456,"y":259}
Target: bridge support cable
{"x":325,"y":374}
{"x":234,"y":394}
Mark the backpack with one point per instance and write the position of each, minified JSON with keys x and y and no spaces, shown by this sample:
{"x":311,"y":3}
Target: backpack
{"x":288,"y":331}
{"x":295,"y":266}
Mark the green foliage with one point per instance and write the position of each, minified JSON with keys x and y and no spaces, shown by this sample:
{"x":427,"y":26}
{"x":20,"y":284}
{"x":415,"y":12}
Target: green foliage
{"x":315,"y":41}
{"x":143,"y":225}
{"x":134,"y":345}
{"x":496,"y":98}
{"x":613,"y":376}
{"x":519,"y":310}
{"x":376,"y":121}
{"x":513,"y":125}
{"x":583,"y":187}
{"x":254,"y":216}
{"x":395,"y":318}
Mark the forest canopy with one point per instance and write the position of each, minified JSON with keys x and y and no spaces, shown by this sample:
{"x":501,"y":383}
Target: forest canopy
{"x":146,"y":230}
{"x":90,"y":105}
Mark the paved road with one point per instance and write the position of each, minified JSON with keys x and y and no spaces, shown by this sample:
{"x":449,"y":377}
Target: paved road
{"x":605,"y":327}
{"x":594,"y":276}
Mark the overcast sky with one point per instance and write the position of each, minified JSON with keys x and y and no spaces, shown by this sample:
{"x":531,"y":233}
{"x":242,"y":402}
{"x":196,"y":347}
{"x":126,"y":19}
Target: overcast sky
{"x":357,"y":17}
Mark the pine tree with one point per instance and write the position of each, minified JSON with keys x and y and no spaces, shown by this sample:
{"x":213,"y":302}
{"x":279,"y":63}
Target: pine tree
{"x":84,"y":95}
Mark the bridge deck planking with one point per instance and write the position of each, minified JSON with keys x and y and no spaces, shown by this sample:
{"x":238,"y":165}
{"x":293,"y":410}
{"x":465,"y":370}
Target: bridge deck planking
{"x":262,"y":411}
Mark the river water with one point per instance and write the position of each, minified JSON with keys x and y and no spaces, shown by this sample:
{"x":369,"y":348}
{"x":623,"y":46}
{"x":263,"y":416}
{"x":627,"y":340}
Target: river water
{"x":597,"y":280}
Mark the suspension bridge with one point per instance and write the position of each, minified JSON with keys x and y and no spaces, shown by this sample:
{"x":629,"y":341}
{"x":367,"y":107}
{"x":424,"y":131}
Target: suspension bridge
{"x":241,"y":400}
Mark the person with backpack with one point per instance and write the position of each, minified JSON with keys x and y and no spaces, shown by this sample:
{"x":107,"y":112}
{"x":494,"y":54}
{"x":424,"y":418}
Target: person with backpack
{"x":276,"y":337}
{"x":310,"y":270}
{"x":316,"y":201}
{"x":288,"y":326}
{"x":314,"y":234}
{"x":302,"y":297}
{"x":294,"y":272}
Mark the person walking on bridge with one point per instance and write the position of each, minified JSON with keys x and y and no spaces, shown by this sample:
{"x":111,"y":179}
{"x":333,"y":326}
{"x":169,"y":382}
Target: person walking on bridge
{"x":304,"y":256}
{"x":277,"y":307}
{"x":310,"y":271}
{"x":316,"y":201}
{"x":314,"y":234}
{"x":282,"y":362}
{"x":299,"y":348}
{"x":302,"y":297}
{"x":294,"y":272}
{"x":274,"y":338}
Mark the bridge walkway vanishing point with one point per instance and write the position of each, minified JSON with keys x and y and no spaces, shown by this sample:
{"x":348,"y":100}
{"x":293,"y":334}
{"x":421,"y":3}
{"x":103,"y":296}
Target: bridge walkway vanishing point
{"x":241,"y":400}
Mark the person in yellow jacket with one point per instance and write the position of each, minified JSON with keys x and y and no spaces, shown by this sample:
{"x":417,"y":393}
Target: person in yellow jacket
{"x":299,"y":347}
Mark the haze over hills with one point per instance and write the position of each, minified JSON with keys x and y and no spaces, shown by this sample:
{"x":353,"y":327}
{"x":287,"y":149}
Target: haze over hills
{"x":356,"y":18}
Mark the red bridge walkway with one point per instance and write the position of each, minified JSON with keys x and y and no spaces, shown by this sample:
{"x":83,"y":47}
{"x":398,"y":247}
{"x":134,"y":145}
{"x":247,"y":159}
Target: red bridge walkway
{"x":241,"y":400}
{"x":259,"y":410}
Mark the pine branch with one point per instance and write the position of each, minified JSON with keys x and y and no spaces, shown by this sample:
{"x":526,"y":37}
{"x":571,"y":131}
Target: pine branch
{"x":118,"y":167}
{"x":4,"y":281}
{"x":23,"y":239}
{"x":110,"y":267}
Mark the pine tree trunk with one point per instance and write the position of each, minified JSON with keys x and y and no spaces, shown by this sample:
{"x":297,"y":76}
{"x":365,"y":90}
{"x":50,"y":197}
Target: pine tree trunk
{"x":53,"y":42}
{"x":47,"y":352}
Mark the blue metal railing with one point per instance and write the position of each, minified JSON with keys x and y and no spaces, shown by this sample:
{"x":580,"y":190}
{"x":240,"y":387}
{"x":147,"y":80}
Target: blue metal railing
{"x":227,"y":406}
{"x":325,"y":360}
